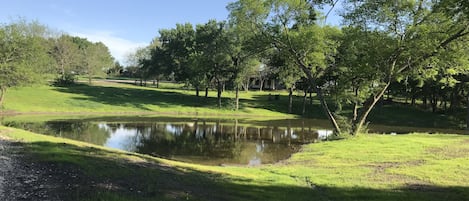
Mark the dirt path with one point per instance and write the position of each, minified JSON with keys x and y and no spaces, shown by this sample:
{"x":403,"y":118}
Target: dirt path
{"x":22,"y":179}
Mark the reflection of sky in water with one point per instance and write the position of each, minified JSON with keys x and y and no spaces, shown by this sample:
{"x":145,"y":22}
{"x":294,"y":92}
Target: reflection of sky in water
{"x":121,"y":138}
{"x":324,"y":134}
{"x":294,"y":136}
{"x":257,"y":157}
{"x":128,"y":138}
{"x":208,"y":142}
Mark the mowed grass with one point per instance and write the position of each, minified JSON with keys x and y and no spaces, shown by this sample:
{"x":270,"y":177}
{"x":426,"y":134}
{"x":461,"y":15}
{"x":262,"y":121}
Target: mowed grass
{"x":368,"y":167}
{"x":107,"y":97}
{"x":110,"y":98}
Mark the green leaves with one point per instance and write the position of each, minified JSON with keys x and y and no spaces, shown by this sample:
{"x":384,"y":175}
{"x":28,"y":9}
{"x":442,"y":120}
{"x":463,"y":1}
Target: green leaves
{"x":23,"y":57}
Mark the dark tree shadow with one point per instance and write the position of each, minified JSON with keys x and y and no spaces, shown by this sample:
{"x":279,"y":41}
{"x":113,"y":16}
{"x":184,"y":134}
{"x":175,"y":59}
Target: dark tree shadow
{"x":137,"y":97}
{"x":279,"y":103}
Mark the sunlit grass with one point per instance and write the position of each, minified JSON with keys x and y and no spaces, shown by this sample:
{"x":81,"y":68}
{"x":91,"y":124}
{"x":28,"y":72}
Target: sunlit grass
{"x":107,"y":97}
{"x":369,"y":167}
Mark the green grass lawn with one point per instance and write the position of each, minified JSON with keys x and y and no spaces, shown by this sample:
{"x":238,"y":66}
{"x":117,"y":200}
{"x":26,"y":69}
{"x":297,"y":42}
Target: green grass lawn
{"x":173,"y":99}
{"x":368,"y":167}
{"x":106,"y":97}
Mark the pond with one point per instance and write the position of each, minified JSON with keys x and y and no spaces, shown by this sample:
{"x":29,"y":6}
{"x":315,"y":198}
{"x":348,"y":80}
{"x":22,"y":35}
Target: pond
{"x":195,"y":140}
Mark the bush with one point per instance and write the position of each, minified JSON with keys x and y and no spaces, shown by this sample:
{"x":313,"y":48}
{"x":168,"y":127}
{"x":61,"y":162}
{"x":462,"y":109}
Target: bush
{"x":67,"y":80}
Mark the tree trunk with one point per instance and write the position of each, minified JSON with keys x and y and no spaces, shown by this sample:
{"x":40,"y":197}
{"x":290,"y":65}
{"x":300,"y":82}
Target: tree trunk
{"x":305,"y":97}
{"x":467,"y":116}
{"x":219,"y":91}
{"x":197,"y":91}
{"x":157,"y":83}
{"x":246,"y":86}
{"x":326,"y":109}
{"x":261,"y":84}
{"x":368,"y":106}
{"x":321,"y":98}
{"x":63,"y":71}
{"x":237,"y":98}
{"x":3,"y":90}
{"x":355,"y":112}
{"x":452,"y":99}
{"x":290,"y":100}
{"x":355,"y":107}
{"x":310,"y":96}
{"x":434,"y":102}
{"x":206,"y":92}
{"x":425,"y":104}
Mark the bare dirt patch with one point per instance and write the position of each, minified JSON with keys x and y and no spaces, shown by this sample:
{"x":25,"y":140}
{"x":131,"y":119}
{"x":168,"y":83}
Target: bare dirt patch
{"x":450,"y":152}
{"x":380,"y":174}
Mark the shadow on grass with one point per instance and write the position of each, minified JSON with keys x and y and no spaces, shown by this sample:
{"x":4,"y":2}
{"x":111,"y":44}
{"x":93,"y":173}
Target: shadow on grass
{"x":136,"y":97}
{"x":404,"y":115}
{"x":140,"y":98}
{"x":280,"y":104}
{"x":104,"y":175}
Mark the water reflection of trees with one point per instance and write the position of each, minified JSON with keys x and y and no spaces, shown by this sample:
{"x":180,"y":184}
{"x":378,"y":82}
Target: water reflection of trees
{"x":199,"y":141}
{"x":76,"y":130}
{"x":225,"y":143}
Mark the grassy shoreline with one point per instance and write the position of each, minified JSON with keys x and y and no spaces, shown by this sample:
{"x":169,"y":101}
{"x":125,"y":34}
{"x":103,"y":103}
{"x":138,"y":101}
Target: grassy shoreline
{"x":369,"y":167}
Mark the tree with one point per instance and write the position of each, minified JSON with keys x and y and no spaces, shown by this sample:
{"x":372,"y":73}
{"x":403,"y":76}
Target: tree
{"x":141,"y":60}
{"x":116,"y":70}
{"x":243,"y":52}
{"x":289,"y":27}
{"x":178,"y":44}
{"x":98,"y":60}
{"x":213,"y":51}
{"x":407,"y":35}
{"x":64,"y":51}
{"x":288,"y":74}
{"x":23,"y":57}
{"x":92,"y":59}
{"x":400,"y":37}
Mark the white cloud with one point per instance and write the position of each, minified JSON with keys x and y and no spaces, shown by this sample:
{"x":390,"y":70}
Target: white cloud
{"x":119,"y":47}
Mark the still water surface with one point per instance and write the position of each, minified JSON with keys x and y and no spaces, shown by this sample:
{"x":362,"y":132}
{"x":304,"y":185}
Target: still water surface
{"x":198,"y":140}
{"x":201,"y":141}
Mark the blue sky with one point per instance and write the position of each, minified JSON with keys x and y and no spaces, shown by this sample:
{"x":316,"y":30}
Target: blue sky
{"x":123,"y":25}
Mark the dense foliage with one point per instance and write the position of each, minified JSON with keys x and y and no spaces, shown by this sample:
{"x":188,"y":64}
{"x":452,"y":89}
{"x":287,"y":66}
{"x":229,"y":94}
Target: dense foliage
{"x":402,"y":48}
{"x":416,"y":50}
{"x":30,"y":52}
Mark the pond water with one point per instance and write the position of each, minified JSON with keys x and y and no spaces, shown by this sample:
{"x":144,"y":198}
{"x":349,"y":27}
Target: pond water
{"x":201,"y":141}
{"x":196,"y":140}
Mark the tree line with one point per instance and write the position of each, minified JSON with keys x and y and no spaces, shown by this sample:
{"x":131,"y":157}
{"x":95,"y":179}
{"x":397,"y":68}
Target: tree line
{"x":31,"y":52}
{"x":416,"y":49}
